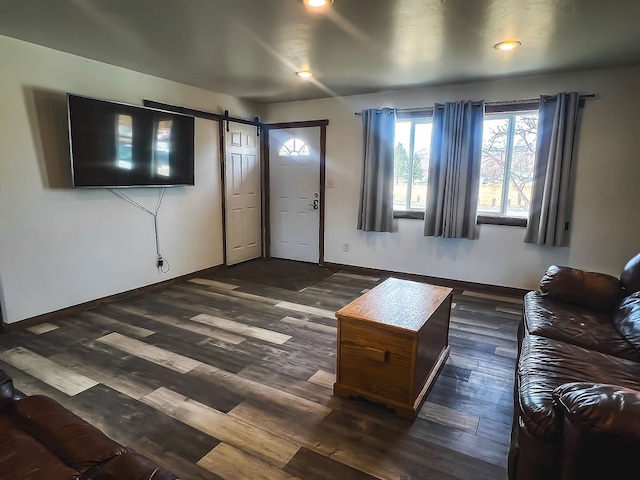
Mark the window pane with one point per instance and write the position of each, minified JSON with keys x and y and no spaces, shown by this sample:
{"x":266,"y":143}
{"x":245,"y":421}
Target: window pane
{"x":494,"y":153}
{"x":294,"y":147}
{"x":422,"y":145}
{"x":401,"y":165}
{"x":522,"y":160}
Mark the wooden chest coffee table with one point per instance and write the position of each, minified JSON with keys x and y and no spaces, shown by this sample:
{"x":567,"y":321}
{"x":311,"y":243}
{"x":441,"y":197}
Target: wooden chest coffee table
{"x":392,"y":343}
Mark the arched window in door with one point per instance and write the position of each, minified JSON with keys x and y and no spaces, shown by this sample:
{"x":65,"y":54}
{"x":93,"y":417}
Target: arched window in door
{"x":294,"y":147}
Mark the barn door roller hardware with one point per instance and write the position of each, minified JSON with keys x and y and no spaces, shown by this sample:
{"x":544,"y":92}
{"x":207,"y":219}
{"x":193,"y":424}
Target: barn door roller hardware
{"x":225,"y":117}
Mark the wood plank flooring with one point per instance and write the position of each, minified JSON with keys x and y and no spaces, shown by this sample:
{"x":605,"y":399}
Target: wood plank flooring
{"x":223,"y":378}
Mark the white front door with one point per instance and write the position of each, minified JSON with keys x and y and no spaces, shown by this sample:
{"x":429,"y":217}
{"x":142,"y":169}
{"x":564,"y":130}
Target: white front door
{"x":294,"y":193}
{"x":242,"y":195}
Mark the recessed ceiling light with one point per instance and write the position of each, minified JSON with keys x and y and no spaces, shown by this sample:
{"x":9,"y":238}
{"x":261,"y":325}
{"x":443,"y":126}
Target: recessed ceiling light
{"x":507,"y":45}
{"x":304,"y":74}
{"x":317,"y":3}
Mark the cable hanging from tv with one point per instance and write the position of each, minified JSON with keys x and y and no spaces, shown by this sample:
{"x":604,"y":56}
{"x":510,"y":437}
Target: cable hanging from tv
{"x":161,"y":263}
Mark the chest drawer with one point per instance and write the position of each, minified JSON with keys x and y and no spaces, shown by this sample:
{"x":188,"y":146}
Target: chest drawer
{"x":375,"y":360}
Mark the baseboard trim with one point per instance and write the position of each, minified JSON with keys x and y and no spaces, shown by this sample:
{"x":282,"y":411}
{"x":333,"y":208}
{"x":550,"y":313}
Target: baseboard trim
{"x":444,"y":282}
{"x":68,"y":311}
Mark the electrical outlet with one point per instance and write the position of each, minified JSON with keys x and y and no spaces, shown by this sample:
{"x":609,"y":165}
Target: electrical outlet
{"x":345,"y":247}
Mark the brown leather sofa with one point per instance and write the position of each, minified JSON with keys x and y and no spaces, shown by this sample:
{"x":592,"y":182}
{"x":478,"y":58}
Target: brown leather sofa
{"x":40,"y":439}
{"x":577,"y":382}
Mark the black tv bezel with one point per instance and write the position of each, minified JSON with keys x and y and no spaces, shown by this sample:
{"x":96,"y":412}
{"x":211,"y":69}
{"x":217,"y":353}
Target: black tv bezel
{"x":132,"y":105}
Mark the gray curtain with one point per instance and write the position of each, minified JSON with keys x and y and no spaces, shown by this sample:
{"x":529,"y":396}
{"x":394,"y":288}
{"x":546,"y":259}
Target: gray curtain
{"x":375,"y":213}
{"x":548,"y":214}
{"x":454,"y":170}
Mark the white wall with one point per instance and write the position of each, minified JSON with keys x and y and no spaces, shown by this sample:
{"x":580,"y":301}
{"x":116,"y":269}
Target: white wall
{"x":60,"y":247}
{"x":605,"y":226}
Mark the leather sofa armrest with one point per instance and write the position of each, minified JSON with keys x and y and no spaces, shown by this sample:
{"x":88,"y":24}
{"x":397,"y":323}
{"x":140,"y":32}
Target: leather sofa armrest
{"x":601,"y":430}
{"x":73,"y":440}
{"x":630,"y":276}
{"x":7,"y":392}
{"x":593,"y":290}
{"x":600,"y":409}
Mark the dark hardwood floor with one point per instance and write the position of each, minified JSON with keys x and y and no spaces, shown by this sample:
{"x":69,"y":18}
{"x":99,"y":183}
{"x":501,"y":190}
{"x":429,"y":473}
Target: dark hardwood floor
{"x":220,"y":377}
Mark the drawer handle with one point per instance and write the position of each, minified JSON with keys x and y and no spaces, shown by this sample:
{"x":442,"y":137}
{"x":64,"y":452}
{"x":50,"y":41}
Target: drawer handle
{"x":375,"y":354}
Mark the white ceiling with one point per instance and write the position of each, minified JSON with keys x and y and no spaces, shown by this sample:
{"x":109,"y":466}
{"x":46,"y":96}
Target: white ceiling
{"x":251,"y":48}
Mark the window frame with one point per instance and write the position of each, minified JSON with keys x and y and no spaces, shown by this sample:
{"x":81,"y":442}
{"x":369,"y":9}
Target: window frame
{"x":514,"y":108}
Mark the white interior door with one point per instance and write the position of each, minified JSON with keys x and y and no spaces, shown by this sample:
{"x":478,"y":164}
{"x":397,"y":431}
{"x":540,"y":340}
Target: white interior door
{"x":294,"y":193}
{"x":242,"y":195}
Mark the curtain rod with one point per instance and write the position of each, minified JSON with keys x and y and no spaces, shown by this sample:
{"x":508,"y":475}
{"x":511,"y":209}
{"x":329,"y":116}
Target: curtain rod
{"x":497,"y":103}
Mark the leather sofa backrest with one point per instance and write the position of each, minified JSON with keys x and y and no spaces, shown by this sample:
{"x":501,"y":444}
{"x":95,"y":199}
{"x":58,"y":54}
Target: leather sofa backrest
{"x":630,"y":276}
{"x":626,"y":319}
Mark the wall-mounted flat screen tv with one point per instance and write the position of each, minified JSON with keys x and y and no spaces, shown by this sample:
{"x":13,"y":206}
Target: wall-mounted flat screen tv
{"x":120,"y":145}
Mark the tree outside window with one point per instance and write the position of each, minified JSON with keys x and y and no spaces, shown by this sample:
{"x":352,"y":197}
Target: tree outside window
{"x":508,"y":157}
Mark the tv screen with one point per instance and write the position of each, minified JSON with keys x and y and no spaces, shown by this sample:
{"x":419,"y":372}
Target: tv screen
{"x":120,"y":145}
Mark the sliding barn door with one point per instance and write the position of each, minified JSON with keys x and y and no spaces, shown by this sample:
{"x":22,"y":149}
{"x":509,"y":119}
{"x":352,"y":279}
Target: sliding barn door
{"x":242,"y":194}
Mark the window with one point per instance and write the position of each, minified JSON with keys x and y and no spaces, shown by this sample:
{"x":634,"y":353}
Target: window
{"x":506,"y":177}
{"x":508,"y":156}
{"x":412,"y":141}
{"x":294,"y":146}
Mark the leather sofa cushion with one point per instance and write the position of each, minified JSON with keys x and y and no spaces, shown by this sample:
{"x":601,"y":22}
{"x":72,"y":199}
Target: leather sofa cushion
{"x":545,"y":364}
{"x":578,"y":325}
{"x":592,"y":290}
{"x":627,"y":320}
{"x":630,"y":276}
{"x":22,"y":457}
{"x":132,"y":466}
{"x":77,"y":443}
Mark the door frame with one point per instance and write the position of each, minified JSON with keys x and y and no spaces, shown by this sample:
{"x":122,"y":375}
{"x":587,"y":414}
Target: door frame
{"x":266,"y":191}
